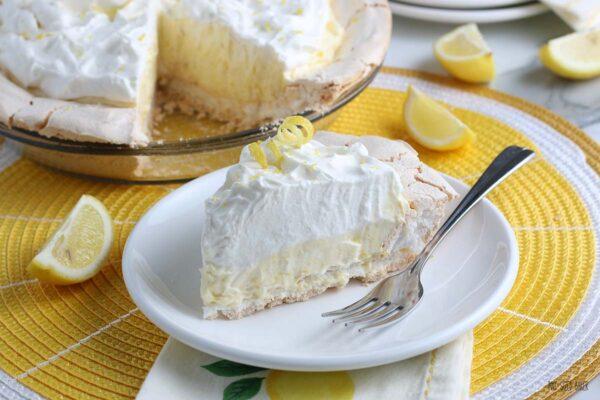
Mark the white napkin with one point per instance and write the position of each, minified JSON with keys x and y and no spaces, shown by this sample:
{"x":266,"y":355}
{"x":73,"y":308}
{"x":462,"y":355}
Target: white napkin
{"x":579,"y":14}
{"x":183,"y":373}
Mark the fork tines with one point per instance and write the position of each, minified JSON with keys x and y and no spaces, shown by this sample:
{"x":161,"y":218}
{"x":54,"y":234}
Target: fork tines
{"x":368,"y":311}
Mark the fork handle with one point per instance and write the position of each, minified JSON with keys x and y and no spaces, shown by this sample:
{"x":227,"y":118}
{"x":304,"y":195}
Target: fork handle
{"x":507,"y":162}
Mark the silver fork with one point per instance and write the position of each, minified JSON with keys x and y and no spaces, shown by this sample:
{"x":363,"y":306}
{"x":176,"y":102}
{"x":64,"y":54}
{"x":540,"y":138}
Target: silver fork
{"x":397,"y":295}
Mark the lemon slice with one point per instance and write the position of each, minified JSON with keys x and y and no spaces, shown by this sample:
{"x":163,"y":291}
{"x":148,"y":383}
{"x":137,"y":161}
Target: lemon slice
{"x":433,"y":126}
{"x":465,"y":55}
{"x":574,"y":56}
{"x":79,"y":248}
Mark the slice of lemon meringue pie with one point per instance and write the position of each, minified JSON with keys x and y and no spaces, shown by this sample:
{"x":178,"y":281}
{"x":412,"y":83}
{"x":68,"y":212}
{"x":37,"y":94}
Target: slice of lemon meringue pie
{"x":297,"y":216}
{"x":87,"y":69}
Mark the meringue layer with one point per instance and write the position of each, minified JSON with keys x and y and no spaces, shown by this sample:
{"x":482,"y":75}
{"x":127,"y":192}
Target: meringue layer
{"x":95,"y":50}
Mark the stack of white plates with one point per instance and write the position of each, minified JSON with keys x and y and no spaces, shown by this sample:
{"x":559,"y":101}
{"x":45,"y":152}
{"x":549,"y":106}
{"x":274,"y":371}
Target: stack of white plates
{"x":463,"y":11}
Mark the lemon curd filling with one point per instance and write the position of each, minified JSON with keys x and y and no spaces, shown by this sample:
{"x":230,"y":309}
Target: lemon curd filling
{"x":243,"y":74}
{"x":327,"y":262}
{"x":216,"y":64}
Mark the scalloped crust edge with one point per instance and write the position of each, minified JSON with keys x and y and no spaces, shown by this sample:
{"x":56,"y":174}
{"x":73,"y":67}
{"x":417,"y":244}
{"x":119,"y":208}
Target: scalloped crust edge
{"x":67,"y":119}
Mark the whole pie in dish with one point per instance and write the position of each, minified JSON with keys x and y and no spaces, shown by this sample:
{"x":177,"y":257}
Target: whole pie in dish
{"x":88,"y":69}
{"x":298,"y":216}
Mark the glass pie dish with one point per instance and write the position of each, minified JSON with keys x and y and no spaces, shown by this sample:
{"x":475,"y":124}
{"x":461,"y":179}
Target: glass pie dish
{"x":184,"y":148}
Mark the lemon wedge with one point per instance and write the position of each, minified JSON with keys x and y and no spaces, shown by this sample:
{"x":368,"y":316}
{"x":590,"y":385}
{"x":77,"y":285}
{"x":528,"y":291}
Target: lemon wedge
{"x":465,"y":55}
{"x":433,"y":126}
{"x":574,"y":56}
{"x":79,"y":248}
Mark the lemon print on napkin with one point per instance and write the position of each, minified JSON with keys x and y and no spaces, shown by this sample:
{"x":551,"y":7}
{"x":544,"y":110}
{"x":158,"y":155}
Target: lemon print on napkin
{"x":290,"y":385}
{"x":282,"y":385}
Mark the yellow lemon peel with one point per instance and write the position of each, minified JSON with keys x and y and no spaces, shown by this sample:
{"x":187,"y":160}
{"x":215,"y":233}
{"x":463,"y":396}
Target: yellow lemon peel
{"x":294,"y":131}
{"x":258,"y":154}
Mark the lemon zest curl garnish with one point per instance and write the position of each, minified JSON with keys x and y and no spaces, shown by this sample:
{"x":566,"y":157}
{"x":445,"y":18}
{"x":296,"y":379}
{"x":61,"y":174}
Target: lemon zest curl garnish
{"x":258,"y":154}
{"x":276,"y":151}
{"x":294,"y":131}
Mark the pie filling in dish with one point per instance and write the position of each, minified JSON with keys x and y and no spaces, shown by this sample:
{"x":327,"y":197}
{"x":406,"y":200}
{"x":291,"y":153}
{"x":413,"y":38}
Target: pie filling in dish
{"x":88,"y":70}
{"x":300,"y":214}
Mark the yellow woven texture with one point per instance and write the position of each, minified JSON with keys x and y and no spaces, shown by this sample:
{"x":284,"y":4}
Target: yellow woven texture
{"x":89,"y":340}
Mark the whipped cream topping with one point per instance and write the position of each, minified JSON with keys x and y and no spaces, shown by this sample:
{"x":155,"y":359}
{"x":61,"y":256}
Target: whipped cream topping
{"x":99,"y":49}
{"x":72,"y":49}
{"x":320,"y":192}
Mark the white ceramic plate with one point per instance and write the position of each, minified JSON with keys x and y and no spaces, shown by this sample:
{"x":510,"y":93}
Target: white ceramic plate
{"x":466,"y":280}
{"x":450,"y":16}
{"x":464,"y":4}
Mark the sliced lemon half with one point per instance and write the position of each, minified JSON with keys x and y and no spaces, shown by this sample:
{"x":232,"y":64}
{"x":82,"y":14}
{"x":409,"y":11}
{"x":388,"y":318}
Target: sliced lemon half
{"x":432,"y":125}
{"x":465,"y":55}
{"x":574,"y":56}
{"x":79,"y":248}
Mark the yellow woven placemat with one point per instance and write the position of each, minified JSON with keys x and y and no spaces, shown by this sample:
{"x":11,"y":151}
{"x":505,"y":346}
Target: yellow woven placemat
{"x":90,"y":341}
